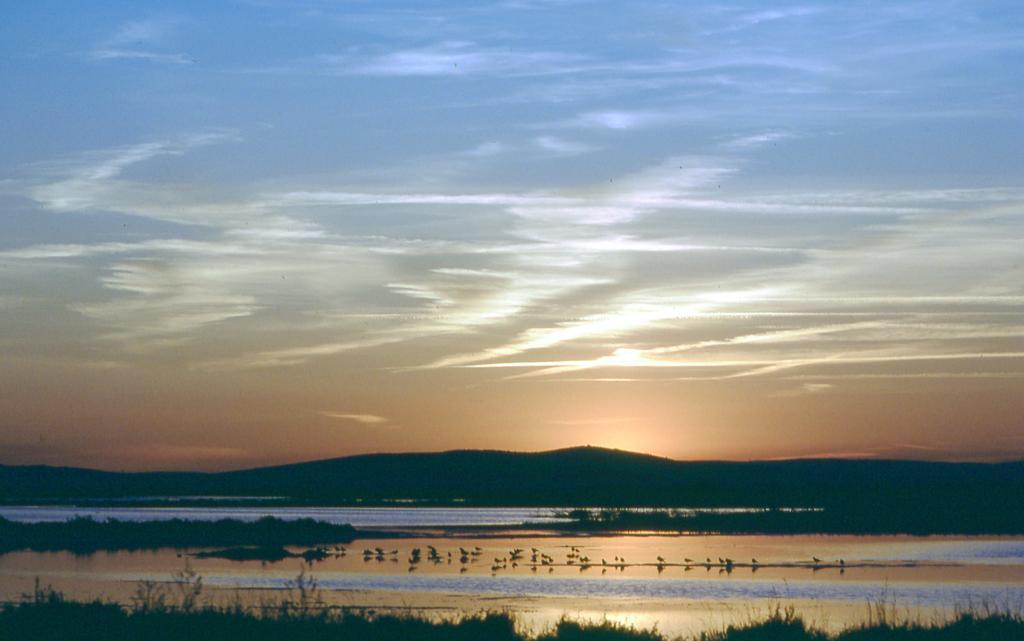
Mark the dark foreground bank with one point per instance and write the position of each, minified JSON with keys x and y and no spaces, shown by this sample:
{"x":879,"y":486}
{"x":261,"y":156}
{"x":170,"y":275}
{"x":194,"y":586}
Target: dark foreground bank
{"x":84,"y":535}
{"x":46,"y":616}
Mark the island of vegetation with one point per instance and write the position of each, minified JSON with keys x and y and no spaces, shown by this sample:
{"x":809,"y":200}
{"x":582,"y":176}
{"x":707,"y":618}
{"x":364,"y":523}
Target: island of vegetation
{"x":85,"y":535}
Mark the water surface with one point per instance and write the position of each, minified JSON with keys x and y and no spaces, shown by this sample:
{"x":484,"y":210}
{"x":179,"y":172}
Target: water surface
{"x":621,"y":579}
{"x":357,"y":516}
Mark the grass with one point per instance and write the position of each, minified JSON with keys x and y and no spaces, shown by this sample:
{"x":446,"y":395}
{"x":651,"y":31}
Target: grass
{"x":161,"y":612}
{"x":85,"y":535}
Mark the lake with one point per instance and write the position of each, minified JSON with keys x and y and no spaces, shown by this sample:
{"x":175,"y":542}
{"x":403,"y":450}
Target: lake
{"x":356,"y":516}
{"x":622,"y":578}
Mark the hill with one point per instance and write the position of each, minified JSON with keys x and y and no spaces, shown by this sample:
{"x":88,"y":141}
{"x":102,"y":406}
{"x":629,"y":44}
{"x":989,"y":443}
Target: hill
{"x":584,"y":476}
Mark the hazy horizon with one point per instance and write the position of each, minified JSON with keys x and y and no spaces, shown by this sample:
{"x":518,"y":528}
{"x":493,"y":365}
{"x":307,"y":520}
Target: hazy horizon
{"x":268,"y":232}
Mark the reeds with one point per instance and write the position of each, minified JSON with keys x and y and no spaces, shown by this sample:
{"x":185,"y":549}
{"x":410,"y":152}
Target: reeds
{"x":176,"y":612}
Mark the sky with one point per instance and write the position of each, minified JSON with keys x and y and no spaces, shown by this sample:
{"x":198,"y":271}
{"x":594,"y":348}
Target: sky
{"x":259,"y":231}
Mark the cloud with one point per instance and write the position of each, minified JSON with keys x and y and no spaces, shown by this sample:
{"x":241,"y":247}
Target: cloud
{"x":88,"y":180}
{"x":590,"y":277}
{"x":618,"y":120}
{"x":753,"y":141}
{"x":296,"y":355}
{"x":143,"y":31}
{"x":627,"y":358}
{"x":609,"y":420}
{"x":145,"y":56}
{"x":754,"y":18}
{"x":362,"y":419}
{"x":135,"y":40}
{"x":165,"y":302}
{"x":449,"y":58}
{"x":804,"y":390}
{"x":335,"y":198}
{"x":486,"y":150}
{"x":905,"y":375}
{"x":772,"y":337}
{"x":562,"y":147}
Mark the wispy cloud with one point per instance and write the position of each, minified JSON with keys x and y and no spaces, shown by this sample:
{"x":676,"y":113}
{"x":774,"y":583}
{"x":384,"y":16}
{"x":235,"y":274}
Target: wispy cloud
{"x":486,"y":149}
{"x":753,"y":141}
{"x":804,"y":389}
{"x":550,"y":248}
{"x":754,"y":18}
{"x":370,"y":420}
{"x":626,"y":358}
{"x":604,"y":420}
{"x":335,"y":198}
{"x":448,"y":58}
{"x":620,"y":120}
{"x":944,"y":375}
{"x":164,"y":303}
{"x":296,"y":355}
{"x":86,"y":181}
{"x":142,"y":40}
{"x":563,"y":147}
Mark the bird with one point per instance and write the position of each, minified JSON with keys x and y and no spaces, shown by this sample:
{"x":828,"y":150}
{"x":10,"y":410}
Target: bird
{"x":688,"y":560}
{"x":661,"y":559}
{"x":753,"y":561}
{"x":816,"y":559}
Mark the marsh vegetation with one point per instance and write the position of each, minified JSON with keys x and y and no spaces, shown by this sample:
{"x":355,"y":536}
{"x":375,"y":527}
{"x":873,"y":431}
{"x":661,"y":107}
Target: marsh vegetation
{"x":175,"y":612}
{"x":85,"y":535}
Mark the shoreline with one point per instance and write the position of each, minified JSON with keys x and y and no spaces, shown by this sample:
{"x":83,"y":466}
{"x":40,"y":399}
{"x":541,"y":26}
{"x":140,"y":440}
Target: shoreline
{"x":87,"y":535}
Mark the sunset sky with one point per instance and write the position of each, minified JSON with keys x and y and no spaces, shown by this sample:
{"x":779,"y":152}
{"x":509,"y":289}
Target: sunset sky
{"x":276,"y":230}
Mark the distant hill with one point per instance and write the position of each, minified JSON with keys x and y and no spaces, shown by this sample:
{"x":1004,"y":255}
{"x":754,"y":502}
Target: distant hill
{"x":584,"y":476}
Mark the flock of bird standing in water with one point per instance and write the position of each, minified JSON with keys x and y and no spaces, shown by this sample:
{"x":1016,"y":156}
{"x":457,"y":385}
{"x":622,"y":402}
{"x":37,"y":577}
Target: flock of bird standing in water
{"x":535,"y":559}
